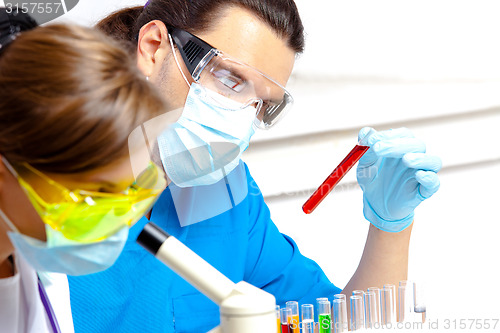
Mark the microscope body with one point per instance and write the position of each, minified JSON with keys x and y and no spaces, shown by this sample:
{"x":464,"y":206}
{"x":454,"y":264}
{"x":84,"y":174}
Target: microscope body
{"x":243,"y":308}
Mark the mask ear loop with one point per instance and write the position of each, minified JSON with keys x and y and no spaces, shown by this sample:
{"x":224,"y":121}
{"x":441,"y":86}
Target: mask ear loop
{"x":8,"y":222}
{"x":177,"y":61}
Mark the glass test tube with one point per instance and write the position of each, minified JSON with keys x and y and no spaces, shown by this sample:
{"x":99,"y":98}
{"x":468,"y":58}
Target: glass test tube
{"x":387,"y":305}
{"x":317,"y":307}
{"x":405,"y":301}
{"x":339,"y":312}
{"x":307,"y":318}
{"x":293,"y":318}
{"x":284,"y":314}
{"x":370,"y":309}
{"x":324,"y":317}
{"x":357,"y":311}
{"x":278,"y":318}
{"x":418,"y":301}
{"x":394,"y":296}
{"x":360,"y":293}
{"x":376,"y":291}
{"x":337,"y":174}
{"x":343,"y":296}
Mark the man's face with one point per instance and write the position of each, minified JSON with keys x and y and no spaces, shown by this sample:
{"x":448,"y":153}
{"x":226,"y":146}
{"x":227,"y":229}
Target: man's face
{"x":239,"y":34}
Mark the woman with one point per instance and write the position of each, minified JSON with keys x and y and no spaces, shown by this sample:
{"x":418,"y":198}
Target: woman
{"x":69,"y":100}
{"x":213,"y":56}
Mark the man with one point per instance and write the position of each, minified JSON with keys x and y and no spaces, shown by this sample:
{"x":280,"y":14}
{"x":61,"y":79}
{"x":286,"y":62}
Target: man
{"x":236,"y":56}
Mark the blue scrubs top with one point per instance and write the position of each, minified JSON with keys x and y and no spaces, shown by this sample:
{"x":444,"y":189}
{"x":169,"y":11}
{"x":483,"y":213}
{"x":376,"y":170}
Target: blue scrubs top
{"x":139,"y":294}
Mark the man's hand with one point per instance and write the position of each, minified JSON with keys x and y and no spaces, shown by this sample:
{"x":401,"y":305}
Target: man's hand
{"x":396,"y":175}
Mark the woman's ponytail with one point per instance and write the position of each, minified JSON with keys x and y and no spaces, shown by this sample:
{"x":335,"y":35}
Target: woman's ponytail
{"x":121,"y":25}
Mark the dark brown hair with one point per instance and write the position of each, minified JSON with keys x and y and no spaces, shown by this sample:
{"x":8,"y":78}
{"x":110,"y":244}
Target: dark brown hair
{"x":69,"y":99}
{"x":199,"y":15}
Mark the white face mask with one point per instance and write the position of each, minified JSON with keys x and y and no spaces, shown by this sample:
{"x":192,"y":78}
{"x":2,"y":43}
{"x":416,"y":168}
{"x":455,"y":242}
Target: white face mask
{"x":207,"y":141}
{"x":62,"y":255}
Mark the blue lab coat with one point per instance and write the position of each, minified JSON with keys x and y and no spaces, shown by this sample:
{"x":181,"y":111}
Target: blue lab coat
{"x":139,"y":294}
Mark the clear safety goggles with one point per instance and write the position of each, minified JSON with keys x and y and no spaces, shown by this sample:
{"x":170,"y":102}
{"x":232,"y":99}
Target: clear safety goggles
{"x":88,"y":216}
{"x":233,"y":79}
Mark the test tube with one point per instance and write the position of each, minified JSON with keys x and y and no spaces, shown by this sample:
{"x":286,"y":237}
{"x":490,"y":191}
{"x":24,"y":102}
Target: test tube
{"x":337,"y":174}
{"x":394,"y":296}
{"x":357,"y":313}
{"x":293,"y":319}
{"x":376,"y":292}
{"x":307,"y":318}
{"x":284,"y":314}
{"x":342,"y":296}
{"x":387,"y":304}
{"x":418,"y":302}
{"x":339,"y":312}
{"x":405,"y":301}
{"x":370,"y":309}
{"x":324,"y":317}
{"x":278,"y":318}
{"x":360,"y":293}
{"x":317,"y":307}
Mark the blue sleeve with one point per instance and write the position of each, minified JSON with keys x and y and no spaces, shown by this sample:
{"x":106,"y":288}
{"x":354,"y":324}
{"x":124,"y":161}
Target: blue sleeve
{"x":274,"y":262}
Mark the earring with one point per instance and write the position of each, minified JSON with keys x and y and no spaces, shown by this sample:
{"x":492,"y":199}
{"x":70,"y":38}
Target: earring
{"x":147,"y":78}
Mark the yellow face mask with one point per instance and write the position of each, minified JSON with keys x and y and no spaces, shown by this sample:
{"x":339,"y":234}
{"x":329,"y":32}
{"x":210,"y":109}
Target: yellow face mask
{"x":87,"y":216}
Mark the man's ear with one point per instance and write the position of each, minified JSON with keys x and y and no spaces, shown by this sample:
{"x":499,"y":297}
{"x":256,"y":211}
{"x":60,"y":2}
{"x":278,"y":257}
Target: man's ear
{"x":152,"y":46}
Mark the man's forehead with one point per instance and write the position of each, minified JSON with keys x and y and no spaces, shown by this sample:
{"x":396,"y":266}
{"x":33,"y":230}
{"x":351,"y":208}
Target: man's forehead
{"x":245,"y":37}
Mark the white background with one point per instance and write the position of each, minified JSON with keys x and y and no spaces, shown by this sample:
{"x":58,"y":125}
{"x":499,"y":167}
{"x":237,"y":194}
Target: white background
{"x":431,"y":66}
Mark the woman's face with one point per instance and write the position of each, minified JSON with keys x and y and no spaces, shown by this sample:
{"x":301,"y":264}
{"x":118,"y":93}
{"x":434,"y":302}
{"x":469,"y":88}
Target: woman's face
{"x":238,"y":33}
{"x":113,"y":178}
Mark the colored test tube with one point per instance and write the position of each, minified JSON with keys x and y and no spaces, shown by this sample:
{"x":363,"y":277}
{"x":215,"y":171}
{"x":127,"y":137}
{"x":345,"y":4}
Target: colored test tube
{"x":317,"y":307}
{"x":324,"y":317}
{"x":293,"y":318}
{"x":284,"y":314}
{"x":278,"y":318}
{"x":337,"y":174}
{"x":307,"y":318}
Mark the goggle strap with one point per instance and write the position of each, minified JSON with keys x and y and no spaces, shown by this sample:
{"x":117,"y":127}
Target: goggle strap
{"x":192,"y":48}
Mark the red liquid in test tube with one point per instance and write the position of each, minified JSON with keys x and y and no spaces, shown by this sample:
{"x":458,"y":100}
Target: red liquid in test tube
{"x":338,"y":173}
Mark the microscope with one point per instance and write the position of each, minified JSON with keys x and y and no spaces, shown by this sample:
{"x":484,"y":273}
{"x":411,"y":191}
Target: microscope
{"x":243,"y":308}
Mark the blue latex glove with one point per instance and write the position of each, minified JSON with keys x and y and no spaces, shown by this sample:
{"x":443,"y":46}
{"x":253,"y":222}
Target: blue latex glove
{"x":396,"y":175}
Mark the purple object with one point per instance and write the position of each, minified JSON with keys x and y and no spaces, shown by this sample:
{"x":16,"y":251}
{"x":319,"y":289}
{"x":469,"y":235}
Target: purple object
{"x":147,"y":3}
{"x":48,"y":308}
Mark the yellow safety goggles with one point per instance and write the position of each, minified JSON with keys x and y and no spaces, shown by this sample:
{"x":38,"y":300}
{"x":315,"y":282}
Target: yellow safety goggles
{"x":87,"y":216}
